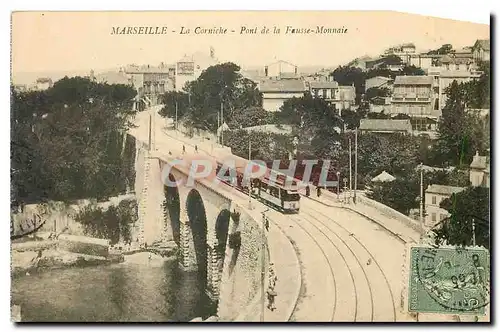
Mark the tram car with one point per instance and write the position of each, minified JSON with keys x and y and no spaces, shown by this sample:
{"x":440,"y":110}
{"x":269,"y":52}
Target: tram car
{"x":273,"y":188}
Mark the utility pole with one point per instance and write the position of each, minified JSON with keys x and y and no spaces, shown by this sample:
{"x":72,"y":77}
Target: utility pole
{"x":350,"y":169}
{"x":263,"y":266}
{"x":176,"y":116}
{"x":153,"y":129}
{"x":222,"y":123}
{"x":473,"y":232}
{"x":250,"y":179}
{"x":355,"y":163}
{"x":338,"y":185}
{"x":421,"y":195}
{"x":149,"y":134}
{"x":218,"y":127}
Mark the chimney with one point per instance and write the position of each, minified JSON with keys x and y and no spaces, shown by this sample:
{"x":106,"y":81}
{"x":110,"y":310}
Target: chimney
{"x":266,"y":69}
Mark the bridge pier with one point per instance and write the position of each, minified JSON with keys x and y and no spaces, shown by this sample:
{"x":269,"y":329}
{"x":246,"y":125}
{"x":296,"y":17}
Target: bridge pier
{"x":213,"y":272}
{"x":187,"y":259}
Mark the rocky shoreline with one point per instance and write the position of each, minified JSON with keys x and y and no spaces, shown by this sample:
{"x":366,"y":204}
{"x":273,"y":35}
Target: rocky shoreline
{"x":42,"y":255}
{"x":28,"y":262}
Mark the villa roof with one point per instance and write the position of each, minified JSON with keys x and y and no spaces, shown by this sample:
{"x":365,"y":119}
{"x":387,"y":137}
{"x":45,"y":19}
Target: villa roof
{"x":443,"y":190}
{"x":289,"y":85}
{"x":323,"y":85}
{"x":480,"y":162}
{"x":413,"y":80}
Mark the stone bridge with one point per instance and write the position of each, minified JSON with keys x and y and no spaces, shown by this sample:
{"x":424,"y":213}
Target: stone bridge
{"x":215,"y":233}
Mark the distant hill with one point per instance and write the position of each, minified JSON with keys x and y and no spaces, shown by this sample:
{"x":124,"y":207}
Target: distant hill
{"x":30,"y":77}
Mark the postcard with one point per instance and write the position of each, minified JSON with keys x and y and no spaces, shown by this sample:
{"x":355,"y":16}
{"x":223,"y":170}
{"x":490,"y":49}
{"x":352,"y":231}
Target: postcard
{"x":249,"y":166}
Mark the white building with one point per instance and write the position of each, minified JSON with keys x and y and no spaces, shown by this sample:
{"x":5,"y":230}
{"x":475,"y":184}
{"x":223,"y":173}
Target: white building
{"x":480,"y":171}
{"x":189,"y":68}
{"x":481,"y":50}
{"x":443,"y":78}
{"x":434,"y":195}
{"x":276,"y":92}
{"x":42,"y":83}
{"x":281,"y":69}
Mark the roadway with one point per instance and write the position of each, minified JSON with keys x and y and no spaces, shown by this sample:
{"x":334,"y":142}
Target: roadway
{"x":351,"y":268}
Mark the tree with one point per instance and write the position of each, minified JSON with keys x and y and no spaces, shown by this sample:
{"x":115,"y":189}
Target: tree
{"x":377,"y":92}
{"x":411,"y":71}
{"x":402,"y":116}
{"x":174,"y":101}
{"x":315,"y":123}
{"x":400,"y":194}
{"x":464,"y":207}
{"x":265,"y":146}
{"x":381,"y":115}
{"x":249,"y":117}
{"x":352,"y":118}
{"x":218,"y":85}
{"x":460,"y":134}
{"x":69,"y":142}
{"x":444,"y":49}
{"x":344,"y":75}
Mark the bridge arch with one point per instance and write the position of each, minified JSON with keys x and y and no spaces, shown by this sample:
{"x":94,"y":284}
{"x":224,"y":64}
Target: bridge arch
{"x":172,"y":209}
{"x":221,"y":234}
{"x":198,"y":225}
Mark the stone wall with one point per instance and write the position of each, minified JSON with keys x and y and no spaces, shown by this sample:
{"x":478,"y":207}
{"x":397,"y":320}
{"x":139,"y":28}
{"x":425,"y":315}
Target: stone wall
{"x":59,"y":216}
{"x":241,"y":275}
{"x":384,"y":209}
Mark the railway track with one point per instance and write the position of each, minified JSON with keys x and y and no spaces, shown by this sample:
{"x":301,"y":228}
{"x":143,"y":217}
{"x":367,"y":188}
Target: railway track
{"x":354,"y":285}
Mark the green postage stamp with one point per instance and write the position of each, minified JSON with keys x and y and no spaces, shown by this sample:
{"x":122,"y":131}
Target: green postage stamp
{"x":449,"y":280}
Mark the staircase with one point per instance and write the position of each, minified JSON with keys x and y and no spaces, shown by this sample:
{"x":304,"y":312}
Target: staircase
{"x":143,"y":203}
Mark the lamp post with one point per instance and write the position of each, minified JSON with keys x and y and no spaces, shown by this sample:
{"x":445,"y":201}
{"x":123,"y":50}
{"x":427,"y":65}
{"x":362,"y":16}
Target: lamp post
{"x":345,"y":190}
{"x":355,"y":163}
{"x":250,"y":179}
{"x":263,"y":265}
{"x":338,"y":185}
{"x":176,"y":116}
{"x":422,"y":195}
{"x":350,"y":169}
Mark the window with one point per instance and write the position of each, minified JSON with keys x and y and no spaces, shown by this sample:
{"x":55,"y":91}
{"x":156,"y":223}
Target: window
{"x":433,"y":199}
{"x":433,"y":216}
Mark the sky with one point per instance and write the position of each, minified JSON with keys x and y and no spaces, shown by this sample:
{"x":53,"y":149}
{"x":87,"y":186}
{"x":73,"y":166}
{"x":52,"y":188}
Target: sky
{"x":80,"y":41}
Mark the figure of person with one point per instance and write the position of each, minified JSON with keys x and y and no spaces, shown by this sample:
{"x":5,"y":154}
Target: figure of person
{"x":308,"y":191}
{"x":183,"y":148}
{"x":196,"y":148}
{"x":318,"y":191}
{"x":271,"y":292}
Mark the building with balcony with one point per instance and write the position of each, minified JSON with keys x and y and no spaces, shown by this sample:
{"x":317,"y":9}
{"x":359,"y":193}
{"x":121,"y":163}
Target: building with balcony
{"x":150,"y":82}
{"x":404,"y":51}
{"x":414,"y":96}
{"x":443,"y":77}
{"x":340,"y":97}
{"x":481,"y":50}
{"x":276,"y":92}
{"x":434,"y":195}
{"x":423,"y":61}
{"x":189,"y":68}
{"x":479,"y":171}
